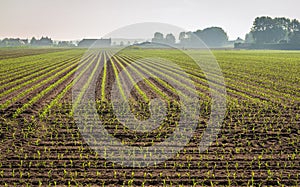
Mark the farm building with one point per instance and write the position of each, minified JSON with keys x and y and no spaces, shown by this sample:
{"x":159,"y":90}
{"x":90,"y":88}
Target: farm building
{"x":95,"y":43}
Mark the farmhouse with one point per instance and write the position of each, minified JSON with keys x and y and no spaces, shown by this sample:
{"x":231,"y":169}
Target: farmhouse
{"x":95,"y":43}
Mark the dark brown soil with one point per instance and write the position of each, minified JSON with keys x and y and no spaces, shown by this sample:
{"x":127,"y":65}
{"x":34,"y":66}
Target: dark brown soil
{"x":258,"y":145}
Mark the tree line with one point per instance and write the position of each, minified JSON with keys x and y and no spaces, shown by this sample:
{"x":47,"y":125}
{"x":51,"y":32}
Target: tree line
{"x":212,"y":37}
{"x":43,"y":41}
{"x":265,"y":30}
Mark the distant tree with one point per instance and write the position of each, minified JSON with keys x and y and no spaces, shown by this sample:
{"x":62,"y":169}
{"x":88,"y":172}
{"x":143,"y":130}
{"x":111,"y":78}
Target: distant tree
{"x":158,"y":37}
{"x":33,"y":41}
{"x":198,"y":32}
{"x":294,"y":28}
{"x":249,"y":38}
{"x":283,"y":23}
{"x":190,"y":39}
{"x":65,"y":44}
{"x":62,"y":44}
{"x":213,"y":36}
{"x":181,"y":36}
{"x":277,"y":30}
{"x":281,"y":29}
{"x":2,"y":44}
{"x":189,"y":34}
{"x":185,"y":38}
{"x":262,"y":30}
{"x":12,"y":42}
{"x":295,"y":37}
{"x":170,"y":39}
{"x":45,"y":41}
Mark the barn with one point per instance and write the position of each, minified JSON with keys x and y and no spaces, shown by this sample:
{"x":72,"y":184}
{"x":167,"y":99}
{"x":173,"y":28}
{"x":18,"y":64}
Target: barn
{"x":95,"y":43}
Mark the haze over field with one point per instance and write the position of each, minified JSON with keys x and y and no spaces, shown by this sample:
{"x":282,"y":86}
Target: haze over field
{"x":149,"y":93}
{"x":76,"y":19}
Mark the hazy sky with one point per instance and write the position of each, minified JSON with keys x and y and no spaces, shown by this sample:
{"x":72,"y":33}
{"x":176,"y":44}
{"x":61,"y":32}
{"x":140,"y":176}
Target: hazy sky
{"x":76,"y":19}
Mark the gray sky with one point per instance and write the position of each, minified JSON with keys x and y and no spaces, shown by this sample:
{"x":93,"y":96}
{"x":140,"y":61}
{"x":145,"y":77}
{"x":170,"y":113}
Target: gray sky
{"x":76,"y":19}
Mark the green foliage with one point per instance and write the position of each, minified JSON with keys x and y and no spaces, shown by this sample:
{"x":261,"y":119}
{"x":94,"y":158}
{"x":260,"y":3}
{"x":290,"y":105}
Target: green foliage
{"x":268,"y":30}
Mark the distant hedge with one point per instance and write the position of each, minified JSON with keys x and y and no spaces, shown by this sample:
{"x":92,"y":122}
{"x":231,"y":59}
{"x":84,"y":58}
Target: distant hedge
{"x":267,"y":46}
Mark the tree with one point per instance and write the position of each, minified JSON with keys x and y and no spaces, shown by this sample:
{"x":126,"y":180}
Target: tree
{"x":181,"y":36}
{"x":170,"y":39}
{"x":190,"y":37}
{"x":277,"y":30}
{"x":33,"y":41}
{"x":294,"y":28}
{"x":281,"y":29}
{"x":158,"y":37}
{"x":249,"y":38}
{"x":295,"y":37}
{"x":65,"y":44}
{"x":45,"y":41}
{"x":261,"y":29}
{"x":185,"y":38}
{"x":213,"y":36}
{"x":12,"y":42}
